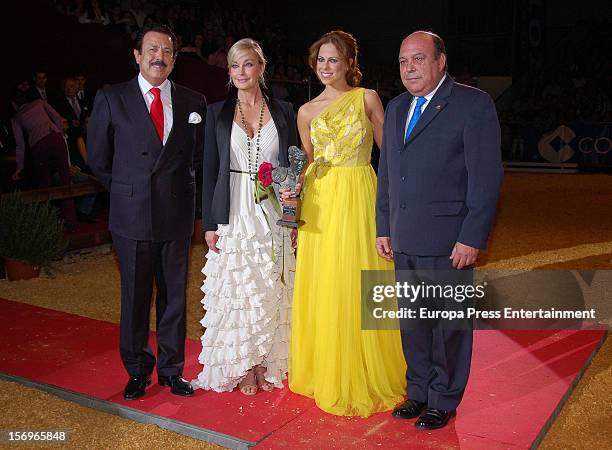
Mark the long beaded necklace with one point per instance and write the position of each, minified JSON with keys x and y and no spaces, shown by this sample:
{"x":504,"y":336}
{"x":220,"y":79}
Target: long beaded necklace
{"x":252,"y":166}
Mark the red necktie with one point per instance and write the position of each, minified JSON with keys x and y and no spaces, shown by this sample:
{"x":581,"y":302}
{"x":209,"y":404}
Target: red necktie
{"x":157,"y":112}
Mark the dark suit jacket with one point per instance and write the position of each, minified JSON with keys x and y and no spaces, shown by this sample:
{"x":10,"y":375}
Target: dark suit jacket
{"x":216,"y":164}
{"x":152,"y":186}
{"x":34,"y":94}
{"x":86,"y":100}
{"x":63,"y":106}
{"x":442,"y":185}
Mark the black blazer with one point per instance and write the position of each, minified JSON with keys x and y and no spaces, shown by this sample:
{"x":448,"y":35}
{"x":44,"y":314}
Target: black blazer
{"x":63,"y":106}
{"x":216,"y":164}
{"x":152,"y":186}
{"x":34,"y":94}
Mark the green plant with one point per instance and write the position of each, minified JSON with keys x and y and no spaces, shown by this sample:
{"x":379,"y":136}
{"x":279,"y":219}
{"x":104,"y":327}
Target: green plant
{"x":30,"y":232}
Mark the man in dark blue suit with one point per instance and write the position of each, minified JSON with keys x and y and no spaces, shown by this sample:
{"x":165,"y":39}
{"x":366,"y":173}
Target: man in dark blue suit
{"x":144,"y":136}
{"x":438,"y":184}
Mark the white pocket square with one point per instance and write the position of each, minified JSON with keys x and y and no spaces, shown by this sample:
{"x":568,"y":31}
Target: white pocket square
{"x":194,"y":117}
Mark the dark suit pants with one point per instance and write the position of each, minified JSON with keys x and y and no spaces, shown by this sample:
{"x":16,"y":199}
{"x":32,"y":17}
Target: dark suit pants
{"x":49,"y":155}
{"x":142,"y":262}
{"x":438,"y":357}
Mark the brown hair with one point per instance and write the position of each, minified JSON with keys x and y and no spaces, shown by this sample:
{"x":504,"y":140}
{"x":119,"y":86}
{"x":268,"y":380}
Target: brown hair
{"x":347,"y":47}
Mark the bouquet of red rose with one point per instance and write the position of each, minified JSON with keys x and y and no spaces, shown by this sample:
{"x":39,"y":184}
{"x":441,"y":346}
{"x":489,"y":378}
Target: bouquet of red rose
{"x":263,"y":186}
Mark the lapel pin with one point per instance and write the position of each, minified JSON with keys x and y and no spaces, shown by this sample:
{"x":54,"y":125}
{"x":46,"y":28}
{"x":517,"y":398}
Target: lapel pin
{"x":438,"y":107}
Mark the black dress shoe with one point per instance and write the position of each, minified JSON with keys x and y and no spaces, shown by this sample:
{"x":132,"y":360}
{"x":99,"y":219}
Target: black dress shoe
{"x":433,"y":418}
{"x":136,"y":387}
{"x":409,"y":409}
{"x":178,"y":385}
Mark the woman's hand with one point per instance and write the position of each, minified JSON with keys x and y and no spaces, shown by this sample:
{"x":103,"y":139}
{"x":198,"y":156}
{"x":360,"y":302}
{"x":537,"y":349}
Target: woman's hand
{"x":286,"y":193}
{"x":211,"y":239}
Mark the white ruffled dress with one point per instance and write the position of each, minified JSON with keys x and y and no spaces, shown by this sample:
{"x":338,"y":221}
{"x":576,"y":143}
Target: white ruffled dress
{"x":247,"y":304}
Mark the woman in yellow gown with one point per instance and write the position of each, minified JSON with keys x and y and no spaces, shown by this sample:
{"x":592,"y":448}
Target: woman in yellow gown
{"x":347,"y":370}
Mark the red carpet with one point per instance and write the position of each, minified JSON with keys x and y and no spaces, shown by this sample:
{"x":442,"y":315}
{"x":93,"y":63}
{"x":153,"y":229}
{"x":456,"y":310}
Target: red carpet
{"x":518,"y":380}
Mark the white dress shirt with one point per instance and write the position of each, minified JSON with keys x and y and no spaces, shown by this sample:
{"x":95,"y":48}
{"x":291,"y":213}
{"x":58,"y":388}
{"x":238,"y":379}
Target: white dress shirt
{"x":428,"y":97}
{"x":166,"y":98}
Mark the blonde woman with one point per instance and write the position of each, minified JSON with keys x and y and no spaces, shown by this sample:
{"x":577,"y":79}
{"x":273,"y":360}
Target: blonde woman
{"x":248,"y":283}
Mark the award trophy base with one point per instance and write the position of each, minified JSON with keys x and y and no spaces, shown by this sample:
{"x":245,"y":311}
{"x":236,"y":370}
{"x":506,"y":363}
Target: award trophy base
{"x":289,"y":224}
{"x":291,"y":213}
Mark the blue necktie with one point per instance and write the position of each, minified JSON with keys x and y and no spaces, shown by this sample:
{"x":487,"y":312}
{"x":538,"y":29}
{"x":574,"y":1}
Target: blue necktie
{"x":415,"y":116}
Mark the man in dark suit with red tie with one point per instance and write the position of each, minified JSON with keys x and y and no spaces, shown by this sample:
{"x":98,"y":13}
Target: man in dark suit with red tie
{"x":143,"y":138}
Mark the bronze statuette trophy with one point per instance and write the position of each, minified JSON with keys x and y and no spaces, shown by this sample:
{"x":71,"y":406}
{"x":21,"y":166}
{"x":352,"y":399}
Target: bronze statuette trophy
{"x":288,"y":177}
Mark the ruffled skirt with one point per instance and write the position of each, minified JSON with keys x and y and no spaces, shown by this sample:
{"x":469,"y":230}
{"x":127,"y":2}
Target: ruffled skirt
{"x":247,"y":298}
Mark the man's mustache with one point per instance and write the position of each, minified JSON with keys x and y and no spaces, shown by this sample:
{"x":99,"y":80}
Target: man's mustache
{"x":158,"y":63}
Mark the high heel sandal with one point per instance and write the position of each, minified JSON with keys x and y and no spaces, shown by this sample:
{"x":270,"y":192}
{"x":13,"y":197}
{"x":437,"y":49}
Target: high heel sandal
{"x":261,"y":379}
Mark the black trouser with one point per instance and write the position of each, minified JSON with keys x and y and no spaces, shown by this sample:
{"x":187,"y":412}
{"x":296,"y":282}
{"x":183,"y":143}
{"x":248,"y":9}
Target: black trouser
{"x":438,"y":357}
{"x":142,"y":262}
{"x":51,"y":154}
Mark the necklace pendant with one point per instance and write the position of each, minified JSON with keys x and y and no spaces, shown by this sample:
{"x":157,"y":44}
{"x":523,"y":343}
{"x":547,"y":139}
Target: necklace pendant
{"x":256,"y":136}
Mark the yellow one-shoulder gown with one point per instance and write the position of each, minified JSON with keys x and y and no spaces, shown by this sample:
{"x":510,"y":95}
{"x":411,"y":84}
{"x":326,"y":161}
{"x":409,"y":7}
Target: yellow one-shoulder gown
{"x":347,"y":370}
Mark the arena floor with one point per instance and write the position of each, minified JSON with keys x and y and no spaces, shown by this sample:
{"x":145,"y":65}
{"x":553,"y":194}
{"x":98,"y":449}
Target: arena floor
{"x":544,"y":221}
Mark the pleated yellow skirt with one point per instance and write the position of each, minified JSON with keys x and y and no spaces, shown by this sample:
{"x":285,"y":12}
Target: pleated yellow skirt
{"x":348,"y":371}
